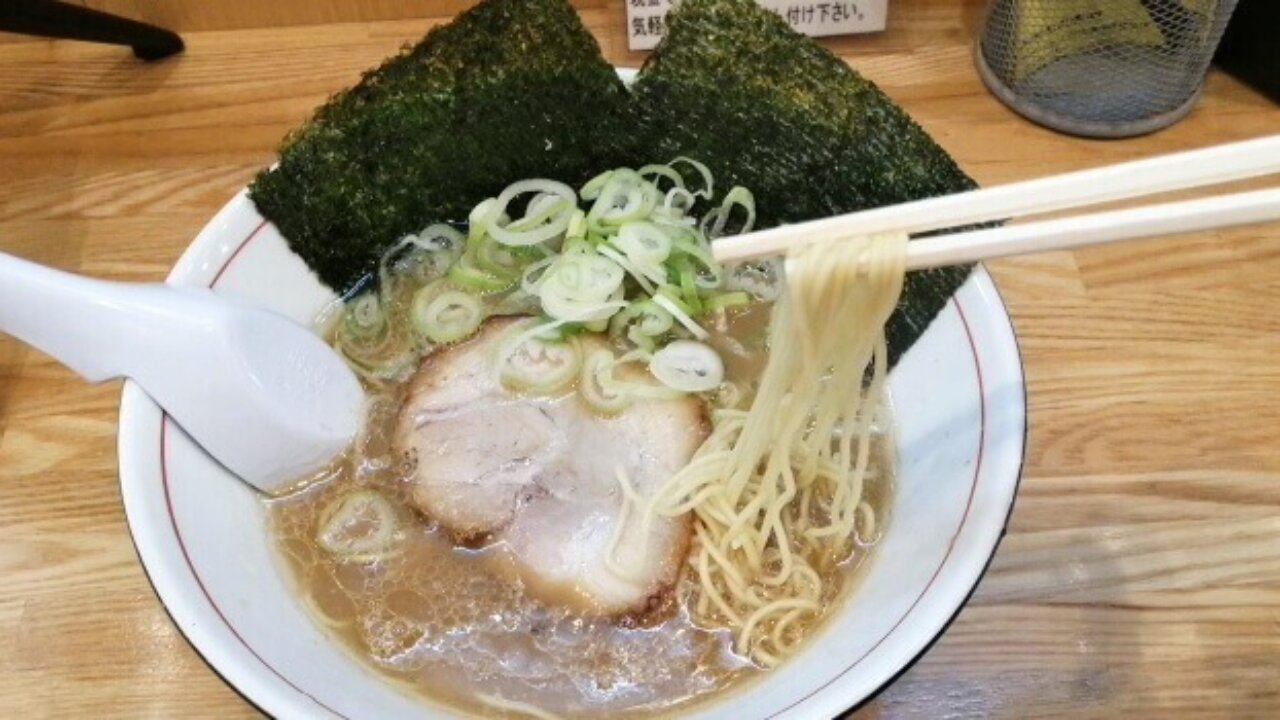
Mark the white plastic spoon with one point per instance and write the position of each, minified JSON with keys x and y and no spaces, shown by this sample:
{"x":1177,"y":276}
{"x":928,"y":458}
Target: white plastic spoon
{"x":263,"y":395}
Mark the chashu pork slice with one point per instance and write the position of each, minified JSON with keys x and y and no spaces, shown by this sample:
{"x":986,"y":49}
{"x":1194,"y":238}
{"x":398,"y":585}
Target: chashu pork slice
{"x":537,"y":476}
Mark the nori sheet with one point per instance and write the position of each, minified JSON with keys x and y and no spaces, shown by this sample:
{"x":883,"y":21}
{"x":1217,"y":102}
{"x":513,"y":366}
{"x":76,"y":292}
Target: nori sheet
{"x":769,"y":109}
{"x":518,"y":88}
{"x":511,"y":89}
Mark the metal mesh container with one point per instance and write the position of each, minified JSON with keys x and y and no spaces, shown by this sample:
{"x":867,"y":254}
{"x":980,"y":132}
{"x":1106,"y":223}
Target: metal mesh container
{"x":1100,"y":68}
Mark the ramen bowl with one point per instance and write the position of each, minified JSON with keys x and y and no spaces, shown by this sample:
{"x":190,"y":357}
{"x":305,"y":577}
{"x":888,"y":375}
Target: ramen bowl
{"x":202,"y":535}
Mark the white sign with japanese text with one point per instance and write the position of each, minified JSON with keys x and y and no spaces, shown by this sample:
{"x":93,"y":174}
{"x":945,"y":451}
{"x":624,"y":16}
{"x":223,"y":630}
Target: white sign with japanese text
{"x":816,"y":18}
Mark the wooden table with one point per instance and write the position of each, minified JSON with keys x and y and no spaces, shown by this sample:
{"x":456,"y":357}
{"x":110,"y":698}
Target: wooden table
{"x":1141,"y":573}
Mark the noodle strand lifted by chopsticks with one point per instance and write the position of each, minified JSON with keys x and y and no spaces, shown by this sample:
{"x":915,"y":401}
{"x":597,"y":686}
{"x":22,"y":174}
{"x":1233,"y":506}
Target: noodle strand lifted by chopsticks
{"x":777,"y":493}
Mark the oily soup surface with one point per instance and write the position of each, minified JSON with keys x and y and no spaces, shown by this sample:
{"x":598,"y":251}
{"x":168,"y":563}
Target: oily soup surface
{"x":433,"y":619}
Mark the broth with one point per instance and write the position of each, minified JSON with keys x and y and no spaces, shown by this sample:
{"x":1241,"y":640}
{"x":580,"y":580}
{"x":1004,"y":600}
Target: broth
{"x":435,"y":621}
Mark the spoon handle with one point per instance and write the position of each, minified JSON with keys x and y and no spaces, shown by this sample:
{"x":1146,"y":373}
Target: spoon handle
{"x":264,"y":395}
{"x":99,"y":329}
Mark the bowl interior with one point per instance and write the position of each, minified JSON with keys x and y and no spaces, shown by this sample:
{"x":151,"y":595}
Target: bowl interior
{"x":960,"y":412}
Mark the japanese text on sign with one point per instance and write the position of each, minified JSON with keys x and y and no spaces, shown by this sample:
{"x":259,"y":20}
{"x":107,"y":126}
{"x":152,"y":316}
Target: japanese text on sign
{"x":646,"y":19}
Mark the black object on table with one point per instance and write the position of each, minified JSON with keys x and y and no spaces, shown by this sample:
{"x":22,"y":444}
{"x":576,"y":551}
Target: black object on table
{"x":49,"y":18}
{"x":1248,"y":50}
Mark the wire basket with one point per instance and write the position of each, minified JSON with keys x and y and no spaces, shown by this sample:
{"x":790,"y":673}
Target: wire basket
{"x":1100,"y":68}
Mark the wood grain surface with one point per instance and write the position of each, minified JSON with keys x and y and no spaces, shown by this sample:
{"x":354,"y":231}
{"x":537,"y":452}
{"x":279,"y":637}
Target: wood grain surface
{"x":1141,"y":573}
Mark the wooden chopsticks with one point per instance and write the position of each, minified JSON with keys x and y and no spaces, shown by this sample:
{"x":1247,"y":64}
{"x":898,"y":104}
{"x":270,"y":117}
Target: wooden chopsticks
{"x":1167,"y":173}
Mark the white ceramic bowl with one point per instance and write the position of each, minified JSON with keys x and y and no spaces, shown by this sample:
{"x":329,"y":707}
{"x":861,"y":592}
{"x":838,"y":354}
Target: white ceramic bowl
{"x":959,"y":403}
{"x":960,"y":408}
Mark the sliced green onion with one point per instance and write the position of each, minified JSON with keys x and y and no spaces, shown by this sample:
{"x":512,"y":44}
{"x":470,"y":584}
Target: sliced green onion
{"x":581,"y":287}
{"x":444,"y":315}
{"x":364,"y":338}
{"x":582,"y":312}
{"x":531,"y":278}
{"x":713,"y":225}
{"x":678,"y":202}
{"x":710,"y":274}
{"x":584,"y":276}
{"x":642,"y":323}
{"x":641,"y":276}
{"x":597,"y":385}
{"x":481,"y":216}
{"x":516,"y":302}
{"x":546,"y":221}
{"x":665,"y":171}
{"x":541,"y":209}
{"x":530,"y":362}
{"x":688,"y":366}
{"x":727,"y":300}
{"x":465,"y":272}
{"x":645,"y":246}
{"x":360,"y":526}
{"x":624,"y":197}
{"x":577,"y":246}
{"x":394,"y":370}
{"x":365,"y":319}
{"x":708,"y":182}
{"x":642,"y":390}
{"x":595,"y":185}
{"x":688,"y":286}
{"x":651,"y":319}
{"x":643,"y":242}
{"x":430,"y":253}
{"x":570,"y":265}
{"x":680,"y":314}
{"x":496,"y":258}
{"x":577,"y":229}
{"x":673,"y":295}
